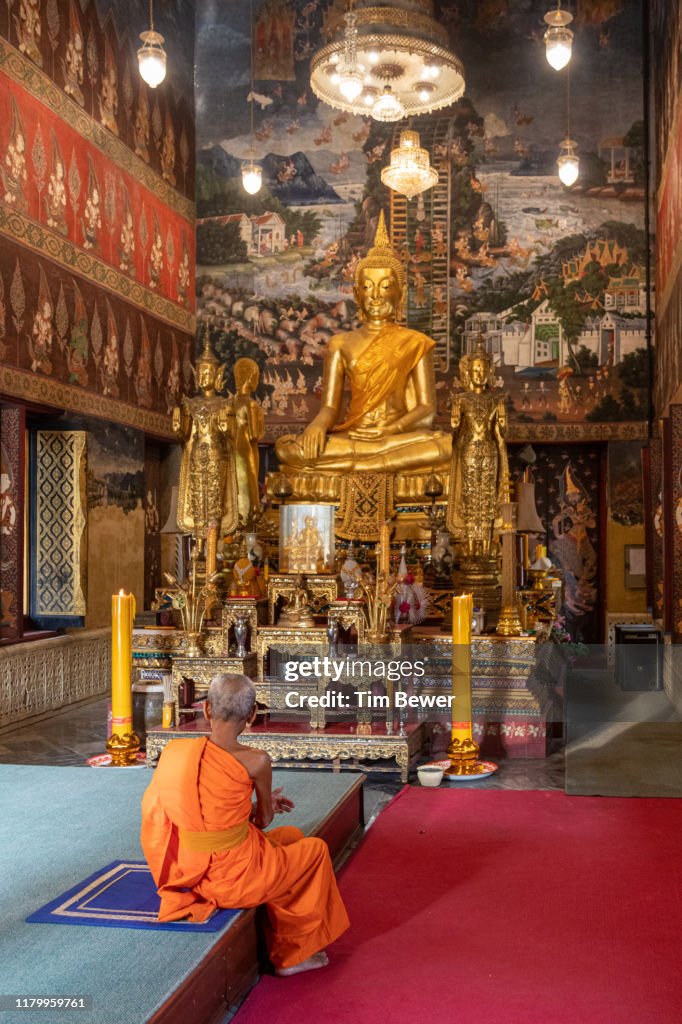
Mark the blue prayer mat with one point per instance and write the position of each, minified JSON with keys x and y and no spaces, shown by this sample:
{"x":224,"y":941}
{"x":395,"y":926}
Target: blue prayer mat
{"x":120,"y":895}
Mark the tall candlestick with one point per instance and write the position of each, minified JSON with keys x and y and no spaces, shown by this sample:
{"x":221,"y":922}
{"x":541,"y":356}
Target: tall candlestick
{"x":462,"y":615}
{"x":123,"y":744}
{"x":463,"y":750}
{"x":211,"y":550}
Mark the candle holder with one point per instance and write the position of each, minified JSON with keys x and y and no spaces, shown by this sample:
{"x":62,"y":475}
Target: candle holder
{"x":123,"y":749}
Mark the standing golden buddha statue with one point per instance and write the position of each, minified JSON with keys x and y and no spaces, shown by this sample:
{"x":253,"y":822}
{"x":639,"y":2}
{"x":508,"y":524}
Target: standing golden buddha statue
{"x":386,"y":427}
{"x":249,"y":428}
{"x":479,"y":477}
{"x":207,"y":495}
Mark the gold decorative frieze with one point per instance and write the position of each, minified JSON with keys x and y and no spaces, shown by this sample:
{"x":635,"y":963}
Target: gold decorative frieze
{"x":72,"y":257}
{"x":33,"y":387}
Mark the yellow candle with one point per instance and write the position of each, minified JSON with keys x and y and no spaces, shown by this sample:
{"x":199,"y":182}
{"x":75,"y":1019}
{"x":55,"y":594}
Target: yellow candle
{"x":211,"y":550}
{"x":384,"y":548}
{"x":462,"y":615}
{"x":540,"y":551}
{"x":122,"y":615}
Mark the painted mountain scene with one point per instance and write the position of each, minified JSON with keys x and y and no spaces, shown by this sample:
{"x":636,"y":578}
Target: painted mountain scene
{"x":554,"y":279}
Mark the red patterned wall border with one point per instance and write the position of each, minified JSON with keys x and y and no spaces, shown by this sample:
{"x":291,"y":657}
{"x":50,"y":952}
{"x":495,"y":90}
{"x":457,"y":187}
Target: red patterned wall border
{"x":35,"y":81}
{"x":542,"y":433}
{"x":51,"y":175}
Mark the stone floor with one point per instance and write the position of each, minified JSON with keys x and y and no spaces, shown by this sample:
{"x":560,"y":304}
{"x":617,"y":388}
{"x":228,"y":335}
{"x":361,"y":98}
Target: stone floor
{"x":72,"y":736}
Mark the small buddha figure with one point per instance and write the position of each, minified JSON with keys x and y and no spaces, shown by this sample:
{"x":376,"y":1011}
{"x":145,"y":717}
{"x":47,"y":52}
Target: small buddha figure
{"x":305,"y":548}
{"x":479,"y":474}
{"x":208,"y":481}
{"x":249,"y":427}
{"x":387,"y":426}
{"x":296,"y":611}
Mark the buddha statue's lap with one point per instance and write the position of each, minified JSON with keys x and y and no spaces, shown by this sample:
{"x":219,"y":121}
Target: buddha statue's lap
{"x":387,"y":426}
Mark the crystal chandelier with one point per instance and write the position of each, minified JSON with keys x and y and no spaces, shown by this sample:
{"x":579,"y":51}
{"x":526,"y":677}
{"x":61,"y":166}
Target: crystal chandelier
{"x":151,"y":57}
{"x":391,"y":61}
{"x":558,"y":38}
{"x":410,"y":170}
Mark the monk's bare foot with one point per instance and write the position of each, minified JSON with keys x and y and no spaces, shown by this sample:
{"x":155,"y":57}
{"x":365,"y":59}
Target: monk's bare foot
{"x":311,"y":964}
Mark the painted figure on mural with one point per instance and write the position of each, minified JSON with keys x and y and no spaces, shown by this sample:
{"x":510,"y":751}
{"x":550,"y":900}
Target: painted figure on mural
{"x":42,"y":330}
{"x":143,"y":379}
{"x":141,"y":127}
{"x":55,"y":200}
{"x":108,"y":97}
{"x":184,"y":274}
{"x":573,"y":551}
{"x":479,"y":472}
{"x":29,"y":30}
{"x":173,"y":379}
{"x":126,"y":250}
{"x":92,"y":213}
{"x":72,"y":62}
{"x":168,"y":151}
{"x":77,"y":345}
{"x":156,"y":257}
{"x":392,"y":386}
{"x":249,"y":429}
{"x":15,"y":173}
{"x":207,"y":494}
{"x":111,"y":358}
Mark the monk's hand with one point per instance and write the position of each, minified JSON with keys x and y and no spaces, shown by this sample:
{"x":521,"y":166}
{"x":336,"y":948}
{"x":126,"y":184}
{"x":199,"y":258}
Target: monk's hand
{"x":314,"y":439}
{"x":281,"y":804}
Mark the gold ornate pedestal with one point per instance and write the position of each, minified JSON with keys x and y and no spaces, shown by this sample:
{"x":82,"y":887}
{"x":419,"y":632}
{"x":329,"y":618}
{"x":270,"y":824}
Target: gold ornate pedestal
{"x":322,"y":589}
{"x":482,"y":579}
{"x":298,"y":743}
{"x":202,"y":671}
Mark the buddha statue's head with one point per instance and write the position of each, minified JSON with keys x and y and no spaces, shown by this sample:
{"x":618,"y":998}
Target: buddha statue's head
{"x":380,"y":280}
{"x":207,"y":371}
{"x":246,"y":375}
{"x":479,"y":367}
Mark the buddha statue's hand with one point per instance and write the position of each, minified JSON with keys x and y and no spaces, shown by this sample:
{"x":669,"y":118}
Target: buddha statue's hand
{"x":314,"y":439}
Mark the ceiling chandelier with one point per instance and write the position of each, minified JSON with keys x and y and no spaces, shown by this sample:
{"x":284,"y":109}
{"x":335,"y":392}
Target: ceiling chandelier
{"x":558,"y":37}
{"x":409,"y":171}
{"x":391,"y":61}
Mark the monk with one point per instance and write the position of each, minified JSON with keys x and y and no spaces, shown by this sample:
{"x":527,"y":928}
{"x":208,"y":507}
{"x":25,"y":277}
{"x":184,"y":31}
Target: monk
{"x":204,"y":841}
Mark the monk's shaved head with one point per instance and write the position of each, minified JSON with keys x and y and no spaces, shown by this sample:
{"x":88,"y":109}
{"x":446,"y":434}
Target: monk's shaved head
{"x":232,"y":697}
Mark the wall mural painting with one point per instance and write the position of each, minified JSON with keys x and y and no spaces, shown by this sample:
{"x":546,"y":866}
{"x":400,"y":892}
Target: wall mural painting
{"x":567,"y":480}
{"x":63,"y":328}
{"x":91,"y":55}
{"x":553,"y":278}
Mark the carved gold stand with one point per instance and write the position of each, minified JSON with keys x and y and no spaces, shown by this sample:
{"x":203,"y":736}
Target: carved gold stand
{"x":463,"y":756}
{"x":509,"y":622}
{"x":480,"y":577}
{"x":123,"y":749}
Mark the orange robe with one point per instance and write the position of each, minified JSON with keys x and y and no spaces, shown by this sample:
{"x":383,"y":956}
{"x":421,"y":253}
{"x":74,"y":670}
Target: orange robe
{"x":199,"y":787}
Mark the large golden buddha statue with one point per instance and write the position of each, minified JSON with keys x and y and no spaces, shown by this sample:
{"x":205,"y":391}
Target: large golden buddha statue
{"x":386,"y":427}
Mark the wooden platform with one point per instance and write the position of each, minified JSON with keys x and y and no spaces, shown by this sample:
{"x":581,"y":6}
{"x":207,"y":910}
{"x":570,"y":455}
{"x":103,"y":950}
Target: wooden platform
{"x":233,"y":965}
{"x":298,"y":743}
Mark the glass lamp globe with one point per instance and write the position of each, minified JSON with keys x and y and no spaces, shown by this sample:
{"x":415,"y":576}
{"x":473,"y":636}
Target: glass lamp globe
{"x":351,"y":84}
{"x":558,"y":38}
{"x":569,"y":169}
{"x":151,"y":58}
{"x":252,"y":178}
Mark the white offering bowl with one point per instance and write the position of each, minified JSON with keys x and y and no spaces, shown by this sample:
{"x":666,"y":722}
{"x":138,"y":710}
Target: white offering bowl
{"x":430,"y":775}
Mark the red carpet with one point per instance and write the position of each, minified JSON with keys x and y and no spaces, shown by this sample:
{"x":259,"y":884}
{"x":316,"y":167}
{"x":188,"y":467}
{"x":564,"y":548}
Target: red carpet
{"x":499,"y":907}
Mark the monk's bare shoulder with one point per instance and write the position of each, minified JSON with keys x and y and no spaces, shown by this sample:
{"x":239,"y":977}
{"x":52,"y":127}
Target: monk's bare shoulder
{"x":255,"y":761}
